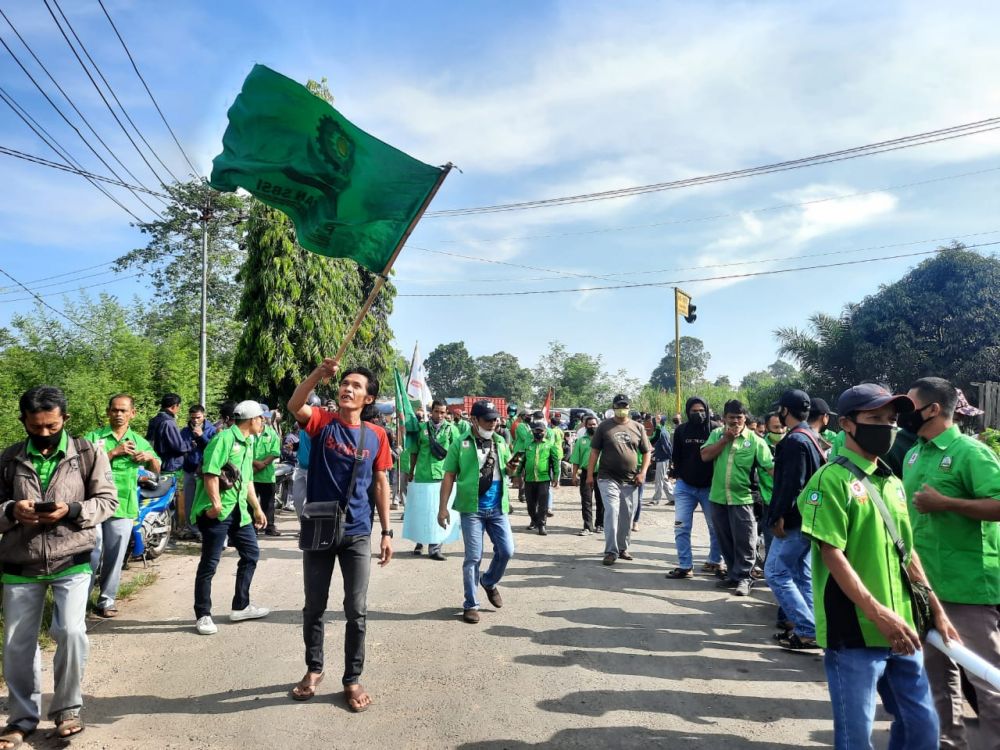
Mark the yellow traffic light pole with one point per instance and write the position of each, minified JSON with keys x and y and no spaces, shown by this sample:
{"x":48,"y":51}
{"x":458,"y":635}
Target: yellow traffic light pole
{"x":682,"y":306}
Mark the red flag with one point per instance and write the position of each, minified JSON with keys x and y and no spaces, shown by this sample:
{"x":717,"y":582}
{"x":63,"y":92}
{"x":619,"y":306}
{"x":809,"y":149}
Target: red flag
{"x":548,"y":403}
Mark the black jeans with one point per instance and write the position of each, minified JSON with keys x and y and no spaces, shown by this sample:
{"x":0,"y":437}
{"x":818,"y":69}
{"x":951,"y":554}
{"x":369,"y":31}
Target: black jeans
{"x":537,"y":495}
{"x":214,"y":534}
{"x":587,"y":501}
{"x":265,"y":496}
{"x":355,"y":555}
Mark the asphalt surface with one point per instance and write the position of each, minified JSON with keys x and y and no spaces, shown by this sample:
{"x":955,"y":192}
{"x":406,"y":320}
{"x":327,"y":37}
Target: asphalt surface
{"x":580,"y":656}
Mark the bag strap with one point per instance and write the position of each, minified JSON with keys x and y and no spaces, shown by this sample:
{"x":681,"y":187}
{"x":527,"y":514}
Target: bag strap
{"x":809,"y":434}
{"x":876,"y":496}
{"x":359,"y":458}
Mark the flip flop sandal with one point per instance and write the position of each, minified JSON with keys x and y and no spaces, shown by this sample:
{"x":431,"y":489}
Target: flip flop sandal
{"x":304,"y":691}
{"x":15,"y":736}
{"x":356,"y":696}
{"x":68,"y":725}
{"x":680,"y":573}
{"x":711,"y":567}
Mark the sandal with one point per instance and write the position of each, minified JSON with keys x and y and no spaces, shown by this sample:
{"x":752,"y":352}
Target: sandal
{"x":711,"y":567}
{"x":306,"y":690}
{"x":68,"y":725}
{"x":625,"y":556}
{"x":680,"y":573}
{"x":14,"y":736}
{"x":794,"y":643}
{"x":354,"y":698}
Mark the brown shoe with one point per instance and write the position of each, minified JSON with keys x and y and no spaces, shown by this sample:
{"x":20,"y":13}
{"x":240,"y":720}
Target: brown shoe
{"x":471,"y":616}
{"x":609,"y":559}
{"x":625,"y":556}
{"x":493,"y":595}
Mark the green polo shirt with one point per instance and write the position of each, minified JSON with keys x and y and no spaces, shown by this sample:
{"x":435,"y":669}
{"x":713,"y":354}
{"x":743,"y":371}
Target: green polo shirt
{"x":731,"y":476}
{"x":828,"y":435}
{"x":463,"y":461}
{"x":428,"y":468}
{"x":580,"y":455}
{"x":960,"y":555}
{"x":44,"y":467}
{"x":124,"y":469}
{"x":836,"y":509}
{"x":267,"y":444}
{"x":836,"y":445}
{"x":539,"y":456}
{"x":228,"y":446}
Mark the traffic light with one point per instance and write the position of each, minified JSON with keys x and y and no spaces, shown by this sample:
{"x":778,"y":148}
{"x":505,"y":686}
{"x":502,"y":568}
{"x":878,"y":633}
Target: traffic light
{"x":691,"y":317}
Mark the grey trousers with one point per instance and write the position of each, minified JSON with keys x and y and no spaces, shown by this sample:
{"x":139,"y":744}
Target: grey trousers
{"x":979,"y":627}
{"x":619,"y":507}
{"x":106,"y":560}
{"x":660,"y":487}
{"x":736,"y":532}
{"x":22,"y":663}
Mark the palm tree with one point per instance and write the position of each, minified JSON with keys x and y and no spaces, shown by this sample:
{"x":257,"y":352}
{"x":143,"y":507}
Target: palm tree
{"x":824,"y":352}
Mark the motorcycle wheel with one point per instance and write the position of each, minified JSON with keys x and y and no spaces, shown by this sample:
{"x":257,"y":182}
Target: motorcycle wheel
{"x":156,"y":546}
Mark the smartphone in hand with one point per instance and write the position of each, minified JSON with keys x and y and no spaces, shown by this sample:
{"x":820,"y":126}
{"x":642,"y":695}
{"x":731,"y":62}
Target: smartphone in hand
{"x":45,"y":507}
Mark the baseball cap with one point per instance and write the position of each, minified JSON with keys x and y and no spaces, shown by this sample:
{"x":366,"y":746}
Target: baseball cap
{"x":871,"y":396}
{"x":484,"y":410}
{"x":796,"y":399}
{"x":620,"y":400}
{"x":819,"y":406}
{"x":247,"y":410}
{"x":265,"y":410}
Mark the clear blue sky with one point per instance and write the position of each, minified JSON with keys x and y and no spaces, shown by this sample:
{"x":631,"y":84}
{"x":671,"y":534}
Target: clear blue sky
{"x":542,"y":99}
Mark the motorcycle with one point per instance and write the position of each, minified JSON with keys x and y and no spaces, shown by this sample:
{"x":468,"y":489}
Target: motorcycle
{"x":283,"y":484}
{"x":151,"y":530}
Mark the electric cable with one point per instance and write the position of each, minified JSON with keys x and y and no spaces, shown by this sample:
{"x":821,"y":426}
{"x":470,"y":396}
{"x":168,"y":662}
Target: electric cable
{"x":49,"y":295}
{"x":41,"y":301}
{"x":6,"y":151}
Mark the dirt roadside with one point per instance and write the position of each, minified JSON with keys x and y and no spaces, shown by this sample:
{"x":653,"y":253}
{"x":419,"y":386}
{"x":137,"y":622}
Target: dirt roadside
{"x":580,"y":656}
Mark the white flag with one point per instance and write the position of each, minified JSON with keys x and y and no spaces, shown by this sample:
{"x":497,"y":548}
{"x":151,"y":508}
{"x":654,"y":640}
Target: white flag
{"x":416,"y":387}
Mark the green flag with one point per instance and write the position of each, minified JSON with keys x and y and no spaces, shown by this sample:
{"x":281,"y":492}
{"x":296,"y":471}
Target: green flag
{"x":404,"y":409}
{"x":349,"y":194}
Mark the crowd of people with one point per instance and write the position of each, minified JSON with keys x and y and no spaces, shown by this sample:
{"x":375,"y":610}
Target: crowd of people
{"x":867,"y":536}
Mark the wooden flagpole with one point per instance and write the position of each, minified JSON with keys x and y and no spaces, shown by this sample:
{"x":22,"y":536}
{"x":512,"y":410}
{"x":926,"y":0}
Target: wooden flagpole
{"x":383,"y":277}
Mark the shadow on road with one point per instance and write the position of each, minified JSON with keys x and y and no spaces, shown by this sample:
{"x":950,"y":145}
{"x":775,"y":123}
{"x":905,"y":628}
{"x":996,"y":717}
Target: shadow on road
{"x":638,"y":738}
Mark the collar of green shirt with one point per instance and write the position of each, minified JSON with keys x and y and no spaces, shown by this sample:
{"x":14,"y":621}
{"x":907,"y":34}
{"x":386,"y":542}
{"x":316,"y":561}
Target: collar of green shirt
{"x":868,"y":467}
{"x":108,"y":432}
{"x":945,"y":439}
{"x":31,"y":450}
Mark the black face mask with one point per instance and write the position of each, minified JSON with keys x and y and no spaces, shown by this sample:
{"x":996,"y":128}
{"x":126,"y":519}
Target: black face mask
{"x":697,"y":417}
{"x":591,"y":430}
{"x":45,"y":442}
{"x":914,"y":420}
{"x":539,"y":436}
{"x":875,"y":439}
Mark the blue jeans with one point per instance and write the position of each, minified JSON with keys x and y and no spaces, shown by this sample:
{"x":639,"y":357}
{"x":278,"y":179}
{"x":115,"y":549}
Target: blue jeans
{"x":855,"y":674}
{"x":687,"y":499}
{"x":788,"y":570}
{"x":214,"y":534}
{"x":474,"y":525}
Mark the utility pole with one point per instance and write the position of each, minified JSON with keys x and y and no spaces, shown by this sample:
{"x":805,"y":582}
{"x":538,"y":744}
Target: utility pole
{"x":682,"y":306}
{"x":203,"y":349}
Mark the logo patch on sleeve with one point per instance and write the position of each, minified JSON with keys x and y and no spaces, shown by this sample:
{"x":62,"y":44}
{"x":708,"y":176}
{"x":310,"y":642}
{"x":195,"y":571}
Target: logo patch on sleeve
{"x":814,"y":498}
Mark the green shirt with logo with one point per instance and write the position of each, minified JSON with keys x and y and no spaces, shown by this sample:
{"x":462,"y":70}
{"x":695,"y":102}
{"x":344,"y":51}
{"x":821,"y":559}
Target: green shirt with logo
{"x":542,"y":459}
{"x":960,"y":555}
{"x":836,"y":509}
{"x":124,"y":468}
{"x":463,"y":460}
{"x":731,"y":477}
{"x":428,"y":468}
{"x":228,"y":446}
{"x":265,"y":445}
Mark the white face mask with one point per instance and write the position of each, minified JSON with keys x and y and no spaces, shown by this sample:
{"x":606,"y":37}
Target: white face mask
{"x":484,"y":434}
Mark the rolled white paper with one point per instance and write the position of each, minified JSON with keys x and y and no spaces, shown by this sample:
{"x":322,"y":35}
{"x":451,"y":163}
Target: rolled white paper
{"x":972,"y":663}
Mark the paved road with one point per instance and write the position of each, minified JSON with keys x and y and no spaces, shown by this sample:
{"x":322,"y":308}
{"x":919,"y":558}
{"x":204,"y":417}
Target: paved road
{"x":580,"y":656}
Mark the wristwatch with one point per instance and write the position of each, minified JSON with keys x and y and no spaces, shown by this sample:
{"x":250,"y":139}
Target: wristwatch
{"x":387,"y":532}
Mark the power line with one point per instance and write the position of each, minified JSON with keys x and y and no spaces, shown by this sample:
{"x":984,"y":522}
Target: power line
{"x":128,"y":135}
{"x":82,"y":172}
{"x":50,"y":295}
{"x":135,"y":67}
{"x":47,"y":139}
{"x":513,"y":265}
{"x":75,"y":108}
{"x":726,"y":215}
{"x":65,"y":282}
{"x":694,"y":280}
{"x":646,"y":272}
{"x":910,"y":141}
{"x":41,"y":301}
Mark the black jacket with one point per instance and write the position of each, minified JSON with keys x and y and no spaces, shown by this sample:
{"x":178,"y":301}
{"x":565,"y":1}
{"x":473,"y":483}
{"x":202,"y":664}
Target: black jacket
{"x":796,"y":459}
{"x":686,"y":463}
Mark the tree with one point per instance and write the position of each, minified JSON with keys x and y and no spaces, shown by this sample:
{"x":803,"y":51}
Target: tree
{"x":502,"y":375}
{"x":578,"y":379}
{"x":722,"y":382}
{"x":451,"y":372}
{"x":825,"y":352}
{"x":781,"y":370}
{"x":694,"y":362}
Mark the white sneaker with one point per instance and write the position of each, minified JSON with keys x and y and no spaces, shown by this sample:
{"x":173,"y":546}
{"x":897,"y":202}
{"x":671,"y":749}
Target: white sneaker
{"x":585,"y":532}
{"x":205,"y":626}
{"x":250,"y":613}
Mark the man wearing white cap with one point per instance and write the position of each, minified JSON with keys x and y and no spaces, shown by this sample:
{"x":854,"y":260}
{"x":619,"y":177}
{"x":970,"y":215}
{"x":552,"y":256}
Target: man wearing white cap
{"x":223,"y":503}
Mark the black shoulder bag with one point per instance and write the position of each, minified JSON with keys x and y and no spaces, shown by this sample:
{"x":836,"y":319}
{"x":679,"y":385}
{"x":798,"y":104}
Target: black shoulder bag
{"x":920,"y":593}
{"x":322,"y":523}
{"x":437,"y":450}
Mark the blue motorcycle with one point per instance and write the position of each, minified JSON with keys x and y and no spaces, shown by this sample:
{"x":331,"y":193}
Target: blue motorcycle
{"x":151,"y":530}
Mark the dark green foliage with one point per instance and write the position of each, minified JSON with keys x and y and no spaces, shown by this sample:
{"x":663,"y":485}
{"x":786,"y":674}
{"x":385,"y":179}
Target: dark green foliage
{"x":451,"y":372}
{"x":502,"y":375}
{"x":694,"y":362}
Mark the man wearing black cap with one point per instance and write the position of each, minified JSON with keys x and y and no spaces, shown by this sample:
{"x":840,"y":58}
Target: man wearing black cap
{"x":474,"y":467}
{"x":864,"y":605}
{"x":617,"y":445}
{"x":796,"y":458}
